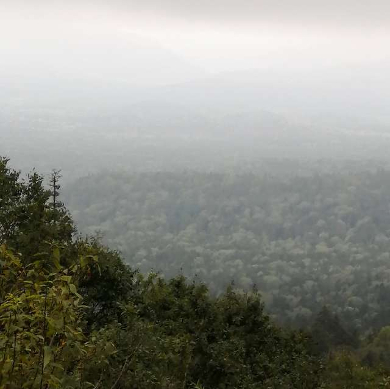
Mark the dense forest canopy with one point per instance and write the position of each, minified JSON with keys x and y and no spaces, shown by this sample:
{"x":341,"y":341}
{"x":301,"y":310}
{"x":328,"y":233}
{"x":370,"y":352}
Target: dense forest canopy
{"x":305,"y":241}
{"x":73,"y":315}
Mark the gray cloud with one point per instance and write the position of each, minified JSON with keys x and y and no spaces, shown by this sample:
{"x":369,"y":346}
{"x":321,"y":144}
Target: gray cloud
{"x":210,"y":35}
{"x":355,"y":13}
{"x":312,"y":12}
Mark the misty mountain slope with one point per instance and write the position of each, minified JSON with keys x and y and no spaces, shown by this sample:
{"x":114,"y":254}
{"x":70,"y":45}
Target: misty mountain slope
{"x":353,"y":91}
{"x":120,"y":70}
{"x":90,"y":69}
{"x":171,"y":119}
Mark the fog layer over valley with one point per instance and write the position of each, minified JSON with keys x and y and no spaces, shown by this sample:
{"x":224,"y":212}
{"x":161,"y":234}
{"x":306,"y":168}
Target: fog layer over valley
{"x":189,"y":126}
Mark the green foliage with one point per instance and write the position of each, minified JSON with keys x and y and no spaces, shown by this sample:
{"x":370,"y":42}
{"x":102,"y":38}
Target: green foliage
{"x":106,"y":287}
{"x":344,"y":371}
{"x":42,"y":343}
{"x":376,"y":349}
{"x":173,"y":334}
{"x":329,"y":333}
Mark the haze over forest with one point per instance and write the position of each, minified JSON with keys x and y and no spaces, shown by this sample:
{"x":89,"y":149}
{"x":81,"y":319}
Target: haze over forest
{"x":122,"y":78}
{"x":241,"y":143}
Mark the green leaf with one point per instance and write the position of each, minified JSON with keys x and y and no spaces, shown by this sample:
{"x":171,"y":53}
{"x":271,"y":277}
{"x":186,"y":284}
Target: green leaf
{"x":93,"y":258}
{"x":56,"y":258}
{"x":48,"y":356}
{"x":83,"y":261}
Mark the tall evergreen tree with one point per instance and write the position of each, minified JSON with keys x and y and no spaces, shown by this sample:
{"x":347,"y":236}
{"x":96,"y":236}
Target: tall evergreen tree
{"x":28,"y":220}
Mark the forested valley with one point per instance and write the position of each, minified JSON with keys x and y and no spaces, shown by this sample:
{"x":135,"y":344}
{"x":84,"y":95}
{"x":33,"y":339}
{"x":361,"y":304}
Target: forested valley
{"x":259,"y":281}
{"x":305,"y":241}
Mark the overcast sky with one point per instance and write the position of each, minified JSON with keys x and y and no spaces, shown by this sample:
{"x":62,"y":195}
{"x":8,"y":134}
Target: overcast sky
{"x":199,"y":37}
{"x":292,"y":12}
